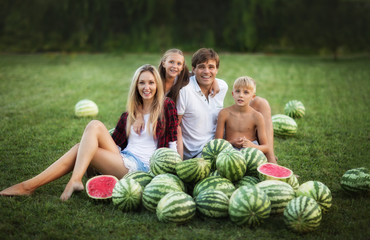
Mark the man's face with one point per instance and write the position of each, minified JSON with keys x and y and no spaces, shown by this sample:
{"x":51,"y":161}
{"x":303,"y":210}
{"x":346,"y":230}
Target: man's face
{"x":205,"y":73}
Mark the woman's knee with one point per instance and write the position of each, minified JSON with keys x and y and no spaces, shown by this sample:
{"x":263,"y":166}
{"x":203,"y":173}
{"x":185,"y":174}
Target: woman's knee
{"x":94,"y":125}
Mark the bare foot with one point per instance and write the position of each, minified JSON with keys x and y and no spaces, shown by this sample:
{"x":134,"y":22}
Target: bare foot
{"x":16,"y":190}
{"x":70,"y":188}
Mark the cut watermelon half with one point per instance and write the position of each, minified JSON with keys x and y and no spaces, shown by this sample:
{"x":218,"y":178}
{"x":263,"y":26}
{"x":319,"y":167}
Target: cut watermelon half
{"x":101,"y":187}
{"x":272,"y":171}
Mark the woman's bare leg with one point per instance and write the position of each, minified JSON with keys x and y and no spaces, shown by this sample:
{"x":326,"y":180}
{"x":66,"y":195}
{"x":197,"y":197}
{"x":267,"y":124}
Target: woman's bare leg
{"x":56,"y":170}
{"x":98,"y":148}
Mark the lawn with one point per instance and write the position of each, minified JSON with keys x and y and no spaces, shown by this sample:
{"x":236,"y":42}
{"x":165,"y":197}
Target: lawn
{"x":37,"y":125}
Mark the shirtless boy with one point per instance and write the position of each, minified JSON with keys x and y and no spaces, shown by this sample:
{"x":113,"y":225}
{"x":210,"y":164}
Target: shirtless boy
{"x":241,"y":124}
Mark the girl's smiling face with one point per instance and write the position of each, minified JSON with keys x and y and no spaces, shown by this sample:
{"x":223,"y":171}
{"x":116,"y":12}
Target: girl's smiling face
{"x":147,"y":85}
{"x":173,"y":64}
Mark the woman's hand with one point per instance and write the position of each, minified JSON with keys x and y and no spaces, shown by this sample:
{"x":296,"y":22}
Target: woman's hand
{"x":138,"y":125}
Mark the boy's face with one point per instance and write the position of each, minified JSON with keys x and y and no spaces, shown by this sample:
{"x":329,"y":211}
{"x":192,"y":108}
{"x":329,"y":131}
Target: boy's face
{"x":242,"y":96}
{"x":205,"y":73}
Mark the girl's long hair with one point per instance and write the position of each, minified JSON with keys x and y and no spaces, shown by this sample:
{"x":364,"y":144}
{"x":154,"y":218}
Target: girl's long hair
{"x":182,"y":78}
{"x":135,"y":101}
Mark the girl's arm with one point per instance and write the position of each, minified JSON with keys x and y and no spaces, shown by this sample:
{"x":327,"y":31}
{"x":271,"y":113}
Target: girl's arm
{"x":215,"y":88}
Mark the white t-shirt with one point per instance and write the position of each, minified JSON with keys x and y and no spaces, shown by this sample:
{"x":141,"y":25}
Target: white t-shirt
{"x":199,"y":115}
{"x":142,"y":146}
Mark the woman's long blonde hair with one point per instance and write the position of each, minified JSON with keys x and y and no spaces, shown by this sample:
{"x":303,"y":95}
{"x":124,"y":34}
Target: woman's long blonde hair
{"x":135,"y":101}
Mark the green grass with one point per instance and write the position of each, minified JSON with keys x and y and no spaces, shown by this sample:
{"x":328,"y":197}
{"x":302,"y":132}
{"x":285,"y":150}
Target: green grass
{"x":37,"y":125}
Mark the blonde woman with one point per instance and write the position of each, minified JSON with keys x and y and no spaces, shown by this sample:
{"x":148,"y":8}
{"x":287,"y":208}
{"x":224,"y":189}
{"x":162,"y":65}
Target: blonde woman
{"x":98,"y":148}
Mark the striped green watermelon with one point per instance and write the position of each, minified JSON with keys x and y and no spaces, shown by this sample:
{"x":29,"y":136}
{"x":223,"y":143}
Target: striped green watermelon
{"x":111,"y":131}
{"x":356,"y":181}
{"x":214,"y":173}
{"x":127,"y":194}
{"x":254,"y":158}
{"x":279,"y":193}
{"x":247,"y":180}
{"x":176,"y":207}
{"x":164,"y":160}
{"x":212,"y":203}
{"x":214,"y":182}
{"x":284,"y":125}
{"x":293,"y":181}
{"x":193,"y":170}
{"x":86,"y":108}
{"x":140,"y":176}
{"x":230,"y":164}
{"x":294,"y":109}
{"x":318,"y":191}
{"x":169,"y":178}
{"x":213,"y":148}
{"x":101,"y":187}
{"x":302,"y":214}
{"x":249,"y":205}
{"x":155,"y":191}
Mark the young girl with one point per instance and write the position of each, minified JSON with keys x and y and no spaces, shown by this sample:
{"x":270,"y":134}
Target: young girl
{"x":99,"y":150}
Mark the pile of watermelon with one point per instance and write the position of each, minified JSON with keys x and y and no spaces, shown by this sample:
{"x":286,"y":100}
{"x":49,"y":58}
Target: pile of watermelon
{"x":224,"y":183}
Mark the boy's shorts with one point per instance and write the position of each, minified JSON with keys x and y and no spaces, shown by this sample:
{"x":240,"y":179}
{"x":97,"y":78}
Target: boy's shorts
{"x":132,"y":163}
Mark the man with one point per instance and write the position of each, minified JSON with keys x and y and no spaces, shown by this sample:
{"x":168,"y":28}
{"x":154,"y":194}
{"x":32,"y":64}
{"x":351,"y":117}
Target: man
{"x":196,"y":108}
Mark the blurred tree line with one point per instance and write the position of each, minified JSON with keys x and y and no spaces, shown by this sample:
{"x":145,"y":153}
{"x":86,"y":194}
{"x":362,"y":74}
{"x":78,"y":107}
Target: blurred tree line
{"x":155,"y":25}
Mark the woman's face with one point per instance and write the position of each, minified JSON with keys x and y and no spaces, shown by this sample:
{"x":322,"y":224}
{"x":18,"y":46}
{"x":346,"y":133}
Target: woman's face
{"x":173,"y":64}
{"x":146,"y":85}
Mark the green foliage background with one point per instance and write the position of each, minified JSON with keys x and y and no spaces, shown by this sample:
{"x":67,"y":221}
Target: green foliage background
{"x":305,"y":26}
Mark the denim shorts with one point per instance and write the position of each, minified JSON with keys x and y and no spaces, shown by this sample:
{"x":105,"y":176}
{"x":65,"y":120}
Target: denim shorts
{"x":133,"y":163}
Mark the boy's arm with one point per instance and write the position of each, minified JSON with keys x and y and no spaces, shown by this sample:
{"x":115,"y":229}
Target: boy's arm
{"x":261,"y":136}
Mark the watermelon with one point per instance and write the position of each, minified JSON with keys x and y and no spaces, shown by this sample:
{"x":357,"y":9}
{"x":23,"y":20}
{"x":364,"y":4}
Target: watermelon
{"x":279,"y":193}
{"x":294,"y":109}
{"x":176,"y":207}
{"x":169,"y":178}
{"x":111,"y":131}
{"x":212,"y":203}
{"x":356,"y":181}
{"x":293,"y":181}
{"x":143,"y":178}
{"x":302,"y":214}
{"x":127,"y":194}
{"x":272,"y":171}
{"x":253,"y":158}
{"x":214,"y":173}
{"x":164,"y":160}
{"x":213,"y":148}
{"x":86,"y":108}
{"x":214,"y":182}
{"x":155,"y":191}
{"x":249,"y":205}
{"x":284,"y":125}
{"x":193,"y":170}
{"x":247,"y":180}
{"x":319,"y":192}
{"x":230,"y":164}
{"x":101,"y":187}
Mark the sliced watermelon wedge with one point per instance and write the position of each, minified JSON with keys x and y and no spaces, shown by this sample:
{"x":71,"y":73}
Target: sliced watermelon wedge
{"x":101,"y":187}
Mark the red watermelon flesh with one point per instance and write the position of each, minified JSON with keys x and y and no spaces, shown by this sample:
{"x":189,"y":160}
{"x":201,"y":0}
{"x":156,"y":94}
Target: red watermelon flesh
{"x":274,"y":170}
{"x":101,"y":187}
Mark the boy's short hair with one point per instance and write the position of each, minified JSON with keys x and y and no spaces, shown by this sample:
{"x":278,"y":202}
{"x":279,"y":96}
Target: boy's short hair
{"x":204,"y":55}
{"x":245,"y":82}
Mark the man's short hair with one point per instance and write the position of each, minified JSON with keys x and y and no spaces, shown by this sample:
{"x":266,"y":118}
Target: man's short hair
{"x":204,"y":55}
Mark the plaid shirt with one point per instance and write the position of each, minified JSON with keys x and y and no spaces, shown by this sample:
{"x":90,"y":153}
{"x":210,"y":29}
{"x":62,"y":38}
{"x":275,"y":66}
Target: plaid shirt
{"x":166,"y":130}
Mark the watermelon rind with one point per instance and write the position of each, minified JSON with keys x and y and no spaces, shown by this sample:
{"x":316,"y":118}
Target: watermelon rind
{"x":127,"y":194}
{"x":86,"y":108}
{"x":294,"y":109}
{"x":143,"y":178}
{"x":249,"y":205}
{"x":279,"y":193}
{"x":284,"y":125}
{"x":211,"y":150}
{"x":319,"y":192}
{"x":230,"y":164}
{"x":176,"y":207}
{"x":193,"y":170}
{"x":253,"y":158}
{"x":302,"y":214}
{"x":356,"y":181}
{"x":100,"y":187}
{"x":214,"y":182}
{"x":212,"y":203}
{"x":164,"y":160}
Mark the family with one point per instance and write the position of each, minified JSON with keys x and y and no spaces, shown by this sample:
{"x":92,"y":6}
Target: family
{"x":165,"y":108}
